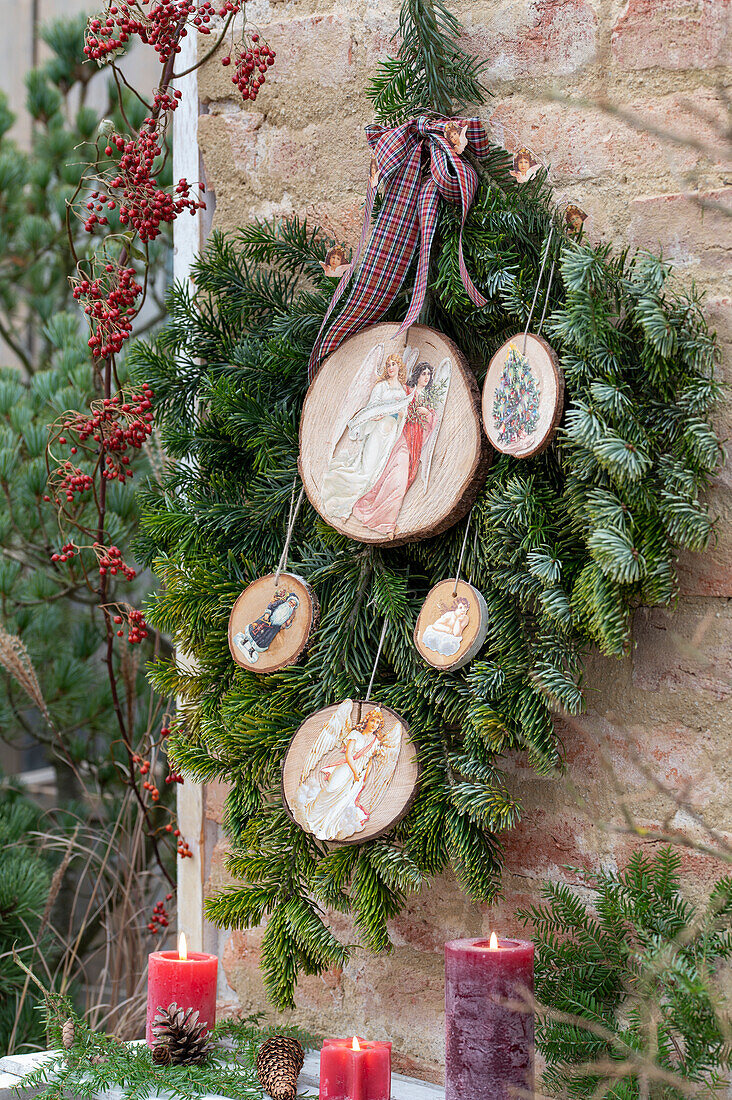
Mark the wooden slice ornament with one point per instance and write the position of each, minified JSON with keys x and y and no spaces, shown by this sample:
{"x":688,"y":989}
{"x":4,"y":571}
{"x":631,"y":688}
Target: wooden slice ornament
{"x":350,"y":773}
{"x":523,"y":396}
{"x":271,"y":622}
{"x":391,"y":448}
{"x":452,"y":625}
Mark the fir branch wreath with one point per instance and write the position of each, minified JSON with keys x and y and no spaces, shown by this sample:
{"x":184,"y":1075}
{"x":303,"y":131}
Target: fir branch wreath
{"x":567,"y":544}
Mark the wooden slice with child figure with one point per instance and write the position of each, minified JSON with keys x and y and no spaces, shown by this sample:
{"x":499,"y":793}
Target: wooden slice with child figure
{"x":391,"y":448}
{"x":350,"y":773}
{"x":271,"y":622}
{"x":452,"y":625}
{"x":523,"y":396}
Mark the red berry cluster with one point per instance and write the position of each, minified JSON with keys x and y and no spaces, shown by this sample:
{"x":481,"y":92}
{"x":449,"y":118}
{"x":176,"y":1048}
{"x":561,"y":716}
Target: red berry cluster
{"x":144,"y":766}
{"x":110,"y":561}
{"x":160,"y":27}
{"x":164,"y":732}
{"x":174,"y":777}
{"x":136,"y":626}
{"x":69,"y":480}
{"x":160,"y":916}
{"x":183,"y":849}
{"x":251,"y":61}
{"x":165,"y":101}
{"x":110,"y":307}
{"x":126,"y":423}
{"x":142,"y":204}
{"x":67,"y":552}
{"x":96,"y":203}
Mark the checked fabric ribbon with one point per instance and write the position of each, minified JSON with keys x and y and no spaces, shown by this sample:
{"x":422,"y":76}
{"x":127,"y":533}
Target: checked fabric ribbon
{"x":418,"y":164}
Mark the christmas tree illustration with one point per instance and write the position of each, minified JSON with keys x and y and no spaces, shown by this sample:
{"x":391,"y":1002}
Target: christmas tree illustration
{"x":516,"y":400}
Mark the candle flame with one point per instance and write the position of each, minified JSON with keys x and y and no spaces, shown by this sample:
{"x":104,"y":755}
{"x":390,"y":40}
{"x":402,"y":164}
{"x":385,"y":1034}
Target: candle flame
{"x":493,"y":945}
{"x":355,"y":1045}
{"x":182,"y":948}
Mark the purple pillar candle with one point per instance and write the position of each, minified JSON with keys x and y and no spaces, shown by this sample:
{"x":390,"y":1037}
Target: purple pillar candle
{"x":489,"y":1045}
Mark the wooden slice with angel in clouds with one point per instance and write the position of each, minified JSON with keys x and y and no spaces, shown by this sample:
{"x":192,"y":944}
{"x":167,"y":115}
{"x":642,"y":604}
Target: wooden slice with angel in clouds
{"x":390,"y":442}
{"x":350,"y":772}
{"x":452,"y":625}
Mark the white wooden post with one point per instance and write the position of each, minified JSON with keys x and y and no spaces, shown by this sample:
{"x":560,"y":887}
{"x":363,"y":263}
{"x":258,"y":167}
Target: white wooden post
{"x":187,"y":242}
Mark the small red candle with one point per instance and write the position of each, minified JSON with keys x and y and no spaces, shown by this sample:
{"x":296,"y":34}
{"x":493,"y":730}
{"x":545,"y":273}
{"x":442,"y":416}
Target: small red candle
{"x":489,"y":1045}
{"x":355,"y":1069}
{"x":188,"y":979}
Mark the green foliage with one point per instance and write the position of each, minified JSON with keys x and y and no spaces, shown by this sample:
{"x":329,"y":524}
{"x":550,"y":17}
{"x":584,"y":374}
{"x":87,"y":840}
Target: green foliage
{"x":629,"y":983}
{"x":36,"y":185}
{"x":563,"y":546}
{"x":45,"y":604}
{"x":25,"y":877}
{"x":431,"y":72}
{"x":48,"y":605}
{"x":97,"y":1062}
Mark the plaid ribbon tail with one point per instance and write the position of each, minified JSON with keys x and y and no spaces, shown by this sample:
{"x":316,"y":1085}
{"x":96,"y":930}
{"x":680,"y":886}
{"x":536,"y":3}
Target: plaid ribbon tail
{"x":473,"y":293}
{"x":345,"y":277}
{"x":428,"y":203}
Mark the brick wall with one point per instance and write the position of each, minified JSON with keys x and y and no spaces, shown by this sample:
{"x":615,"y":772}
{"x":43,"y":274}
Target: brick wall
{"x":639,"y":169}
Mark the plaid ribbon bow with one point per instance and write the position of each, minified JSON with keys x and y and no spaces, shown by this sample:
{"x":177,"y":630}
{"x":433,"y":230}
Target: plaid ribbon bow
{"x":409,"y":214}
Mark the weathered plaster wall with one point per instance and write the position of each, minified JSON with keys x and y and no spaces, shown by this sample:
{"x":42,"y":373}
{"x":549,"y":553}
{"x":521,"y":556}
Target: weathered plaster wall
{"x":639,"y":171}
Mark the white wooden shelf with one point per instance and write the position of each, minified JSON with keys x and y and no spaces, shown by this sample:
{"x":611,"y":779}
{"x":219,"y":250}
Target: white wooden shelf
{"x":15,"y":1067}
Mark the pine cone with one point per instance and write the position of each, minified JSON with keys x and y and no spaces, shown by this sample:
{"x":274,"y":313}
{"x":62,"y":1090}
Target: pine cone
{"x":178,"y":1029}
{"x":67,"y":1034}
{"x":161,"y":1055}
{"x":279,"y":1062}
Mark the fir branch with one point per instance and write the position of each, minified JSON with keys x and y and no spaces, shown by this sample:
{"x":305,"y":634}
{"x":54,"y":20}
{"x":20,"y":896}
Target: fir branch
{"x":432,"y":73}
{"x":96,"y":1063}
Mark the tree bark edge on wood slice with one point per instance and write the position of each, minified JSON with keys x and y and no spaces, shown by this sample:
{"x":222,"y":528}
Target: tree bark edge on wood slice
{"x":340,"y":382}
{"x":544,"y":364}
{"x":441,"y":607}
{"x":404,"y":784}
{"x":290,"y":642}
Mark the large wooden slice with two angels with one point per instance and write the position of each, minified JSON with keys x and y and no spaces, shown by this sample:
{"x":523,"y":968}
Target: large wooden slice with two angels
{"x":350,"y":773}
{"x":391,"y":447}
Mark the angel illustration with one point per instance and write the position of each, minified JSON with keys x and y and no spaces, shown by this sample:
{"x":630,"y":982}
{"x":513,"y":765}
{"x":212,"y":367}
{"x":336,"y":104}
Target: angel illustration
{"x":445,"y":635}
{"x":524,"y":165}
{"x":456,"y":134}
{"x":574,"y":219}
{"x":374,"y":176}
{"x":336,"y":262}
{"x":392,"y":416}
{"x":346,"y":774}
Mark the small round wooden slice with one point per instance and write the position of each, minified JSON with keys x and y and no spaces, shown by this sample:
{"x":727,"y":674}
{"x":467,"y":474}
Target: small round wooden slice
{"x":452,"y":625}
{"x":270,"y":624}
{"x":391,"y":448}
{"x":523,"y":396}
{"x":350,"y":773}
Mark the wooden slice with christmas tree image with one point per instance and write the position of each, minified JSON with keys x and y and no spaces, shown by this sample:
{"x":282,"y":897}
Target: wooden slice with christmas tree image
{"x":523,"y":396}
{"x":271,"y":622}
{"x":452,"y":625}
{"x":391,"y":448}
{"x":350,"y":773}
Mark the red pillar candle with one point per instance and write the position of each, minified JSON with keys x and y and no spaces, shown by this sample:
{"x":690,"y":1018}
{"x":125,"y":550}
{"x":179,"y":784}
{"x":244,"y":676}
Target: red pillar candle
{"x":489,"y":1046}
{"x":355,"y":1069}
{"x":186,"y":978}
